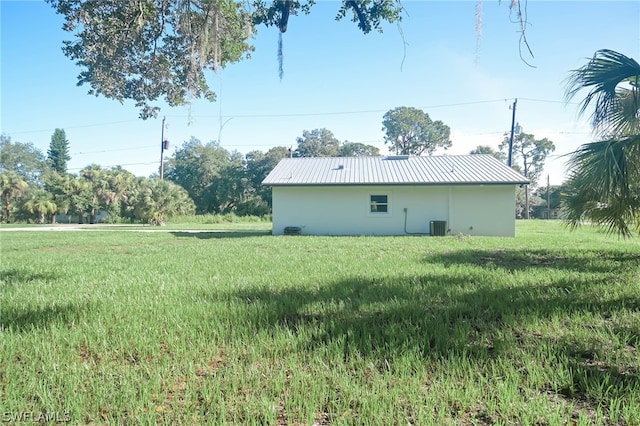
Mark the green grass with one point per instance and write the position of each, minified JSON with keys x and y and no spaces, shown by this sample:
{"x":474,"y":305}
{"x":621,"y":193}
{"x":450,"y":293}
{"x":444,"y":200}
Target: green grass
{"x":208,"y":219}
{"x":128,"y":327}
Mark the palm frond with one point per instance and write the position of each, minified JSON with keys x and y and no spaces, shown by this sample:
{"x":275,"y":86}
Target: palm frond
{"x":625,"y":114}
{"x":605,"y":75}
{"x":605,"y":182}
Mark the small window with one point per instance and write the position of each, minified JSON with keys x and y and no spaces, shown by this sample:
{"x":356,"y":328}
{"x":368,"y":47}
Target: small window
{"x":379,"y":204}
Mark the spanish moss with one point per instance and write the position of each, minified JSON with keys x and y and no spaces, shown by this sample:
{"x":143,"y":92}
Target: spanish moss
{"x":280,"y":60}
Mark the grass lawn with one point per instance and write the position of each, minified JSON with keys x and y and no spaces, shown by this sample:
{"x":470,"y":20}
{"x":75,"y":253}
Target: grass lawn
{"x":126,"y":327}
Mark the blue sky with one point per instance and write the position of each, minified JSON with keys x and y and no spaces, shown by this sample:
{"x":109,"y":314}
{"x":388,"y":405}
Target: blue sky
{"x":334,"y":77}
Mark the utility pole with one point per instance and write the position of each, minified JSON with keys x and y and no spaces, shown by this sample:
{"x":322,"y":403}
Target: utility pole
{"x":163,"y":145}
{"x":548,"y":199}
{"x":513,"y":125}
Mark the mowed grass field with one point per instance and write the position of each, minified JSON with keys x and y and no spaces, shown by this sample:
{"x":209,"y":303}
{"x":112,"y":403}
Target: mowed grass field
{"x":125,"y":327}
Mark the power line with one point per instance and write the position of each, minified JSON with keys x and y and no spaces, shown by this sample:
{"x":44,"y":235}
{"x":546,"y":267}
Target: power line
{"x":303,"y":114}
{"x":119,"y":165}
{"x":271,"y":145}
{"x":310,"y":114}
{"x":80,"y":126}
{"x":549,"y":101}
{"x":112,"y":150}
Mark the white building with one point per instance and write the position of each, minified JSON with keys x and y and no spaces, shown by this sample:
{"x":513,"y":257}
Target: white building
{"x":394,"y":195}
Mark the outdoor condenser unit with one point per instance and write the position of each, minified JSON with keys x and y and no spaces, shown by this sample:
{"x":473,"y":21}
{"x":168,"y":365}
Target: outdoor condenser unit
{"x":438,"y":228}
{"x":292,"y":230}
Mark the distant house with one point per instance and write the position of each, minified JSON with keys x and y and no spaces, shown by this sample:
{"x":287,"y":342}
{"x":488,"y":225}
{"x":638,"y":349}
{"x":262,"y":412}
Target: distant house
{"x":394,"y":195}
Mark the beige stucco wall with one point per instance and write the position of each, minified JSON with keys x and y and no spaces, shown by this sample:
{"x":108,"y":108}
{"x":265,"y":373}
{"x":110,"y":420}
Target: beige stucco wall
{"x":344,"y":210}
{"x":483,"y":210}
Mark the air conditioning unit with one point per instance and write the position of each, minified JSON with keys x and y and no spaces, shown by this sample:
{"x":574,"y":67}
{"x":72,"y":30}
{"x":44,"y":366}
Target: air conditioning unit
{"x":438,"y":228}
{"x":292,"y":230}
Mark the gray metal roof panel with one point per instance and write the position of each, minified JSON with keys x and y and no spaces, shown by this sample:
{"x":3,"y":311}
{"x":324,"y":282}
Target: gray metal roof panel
{"x":393,"y":170}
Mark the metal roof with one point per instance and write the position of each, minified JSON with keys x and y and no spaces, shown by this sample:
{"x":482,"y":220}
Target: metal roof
{"x":393,"y":170}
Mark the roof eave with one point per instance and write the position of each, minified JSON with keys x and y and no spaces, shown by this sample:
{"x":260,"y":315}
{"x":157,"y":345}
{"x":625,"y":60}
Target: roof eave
{"x":397,"y":183}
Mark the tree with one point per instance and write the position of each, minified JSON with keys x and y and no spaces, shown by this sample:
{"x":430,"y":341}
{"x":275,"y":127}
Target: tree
{"x":73,"y":195}
{"x":195,"y":166}
{"x":12,"y":186}
{"x":108,"y":188}
{"x":58,"y":153}
{"x":485,"y":149}
{"x":58,"y":186}
{"x":258,"y":166}
{"x":526,"y":202}
{"x":40,"y":203}
{"x":317,"y":143}
{"x":121,"y":184}
{"x":356,"y":149}
{"x":80,"y":196}
{"x":410,"y":131}
{"x":159,"y":200}
{"x":605,"y":174}
{"x":147,"y":50}
{"x":23,"y":159}
{"x":552,"y":201}
{"x":231,"y":187}
{"x":529,"y":155}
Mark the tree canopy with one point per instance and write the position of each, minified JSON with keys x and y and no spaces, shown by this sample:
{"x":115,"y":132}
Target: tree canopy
{"x":12,"y":186}
{"x":40,"y":204}
{"x":357,"y":149}
{"x":24,"y":159}
{"x":258,"y":166}
{"x":410,"y":131}
{"x":195,"y":166}
{"x":220,"y":181}
{"x":529,"y":154}
{"x":145,"y":50}
{"x":486,"y":149}
{"x":322,"y":143}
{"x":605,"y":174}
{"x":149,"y":50}
{"x":58,"y":153}
{"x":317,"y":143}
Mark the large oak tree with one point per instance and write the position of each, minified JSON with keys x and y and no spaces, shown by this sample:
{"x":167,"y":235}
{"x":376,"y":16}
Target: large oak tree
{"x":153,"y":50}
{"x":150,"y":50}
{"x":410,"y":131}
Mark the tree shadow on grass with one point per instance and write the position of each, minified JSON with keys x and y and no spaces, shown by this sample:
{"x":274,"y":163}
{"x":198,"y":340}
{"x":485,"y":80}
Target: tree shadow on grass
{"x":16,"y":277}
{"x":443,"y":316}
{"x":514,"y":260}
{"x":434,"y":313}
{"x":206,"y":235}
{"x":40,"y":318}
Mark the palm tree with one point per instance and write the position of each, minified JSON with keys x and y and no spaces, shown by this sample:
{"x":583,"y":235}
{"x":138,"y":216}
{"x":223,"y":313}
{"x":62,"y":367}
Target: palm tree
{"x":605,"y":174}
{"x":40,"y":203}
{"x":159,"y":200}
{"x":80,"y":197}
{"x":95,"y":177}
{"x":12,"y":186}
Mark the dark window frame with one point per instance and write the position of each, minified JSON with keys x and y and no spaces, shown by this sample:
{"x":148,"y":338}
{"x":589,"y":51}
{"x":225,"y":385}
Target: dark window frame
{"x":379,"y":203}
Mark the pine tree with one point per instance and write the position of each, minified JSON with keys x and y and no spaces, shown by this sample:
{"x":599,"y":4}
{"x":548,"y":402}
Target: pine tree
{"x":58,"y":153}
